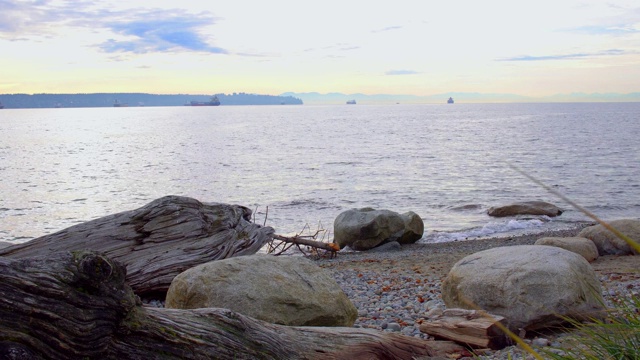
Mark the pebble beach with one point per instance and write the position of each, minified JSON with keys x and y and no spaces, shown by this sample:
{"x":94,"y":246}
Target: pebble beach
{"x":399,"y":289}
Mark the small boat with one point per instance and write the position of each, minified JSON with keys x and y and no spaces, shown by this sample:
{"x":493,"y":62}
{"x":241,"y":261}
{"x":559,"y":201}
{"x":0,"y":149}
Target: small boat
{"x":119,"y":104}
{"x":450,"y":101}
{"x":213,"y":102}
{"x":351,"y":102}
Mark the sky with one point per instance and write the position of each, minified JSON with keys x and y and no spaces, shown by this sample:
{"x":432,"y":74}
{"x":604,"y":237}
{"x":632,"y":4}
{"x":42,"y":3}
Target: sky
{"x":530,"y":48}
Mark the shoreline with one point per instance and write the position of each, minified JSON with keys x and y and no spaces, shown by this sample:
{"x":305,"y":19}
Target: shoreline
{"x":397,"y":290}
{"x":457,"y":247}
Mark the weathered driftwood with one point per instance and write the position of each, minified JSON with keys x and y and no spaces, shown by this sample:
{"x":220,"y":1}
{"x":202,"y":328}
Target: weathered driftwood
{"x":78,"y":305}
{"x":159,"y":240}
{"x":471,"y":327}
{"x":297,"y":240}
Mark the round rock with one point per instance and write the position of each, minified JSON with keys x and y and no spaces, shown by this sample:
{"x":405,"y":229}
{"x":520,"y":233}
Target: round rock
{"x":607,"y":242}
{"x":364,"y":229}
{"x":287,"y":290}
{"x":578,"y":245}
{"x":531,"y":286}
{"x":525,"y":208}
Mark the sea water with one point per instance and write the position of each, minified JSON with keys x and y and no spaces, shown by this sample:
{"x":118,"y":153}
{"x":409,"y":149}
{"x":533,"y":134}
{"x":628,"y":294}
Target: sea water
{"x":307,"y":164}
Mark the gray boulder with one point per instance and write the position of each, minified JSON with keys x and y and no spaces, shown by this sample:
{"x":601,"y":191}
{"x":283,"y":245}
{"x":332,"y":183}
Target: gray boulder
{"x":531,"y":286}
{"x":525,"y":208}
{"x":364,"y":229}
{"x":413,"y":228}
{"x":607,"y":242}
{"x":579,"y":245}
{"x":287,"y":290}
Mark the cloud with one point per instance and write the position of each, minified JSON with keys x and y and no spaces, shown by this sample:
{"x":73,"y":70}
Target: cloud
{"x":145,"y":30}
{"x":42,"y":17}
{"x":605,"y":30}
{"x":388,"y":28}
{"x":624,"y":22}
{"x":401,"y":72}
{"x":611,"y":52}
{"x":12,"y":16}
{"x":256,"y":55}
{"x":170,"y":33}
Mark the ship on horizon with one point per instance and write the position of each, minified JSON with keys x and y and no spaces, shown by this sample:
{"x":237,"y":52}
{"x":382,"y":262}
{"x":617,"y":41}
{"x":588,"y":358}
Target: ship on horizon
{"x":351,"y":102}
{"x":213,"y":102}
{"x":119,"y":104}
{"x":450,"y":101}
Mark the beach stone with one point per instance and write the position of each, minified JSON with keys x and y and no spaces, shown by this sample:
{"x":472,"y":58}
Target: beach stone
{"x":531,"y":286}
{"x":607,"y":242}
{"x":525,"y":208}
{"x":394,"y":326}
{"x":366,"y":228}
{"x":387,"y":247}
{"x":413,"y":228}
{"x":287,"y":290}
{"x":578,"y":245}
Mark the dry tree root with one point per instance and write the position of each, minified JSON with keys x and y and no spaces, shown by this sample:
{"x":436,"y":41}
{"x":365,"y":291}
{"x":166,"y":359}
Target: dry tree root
{"x":281,"y":244}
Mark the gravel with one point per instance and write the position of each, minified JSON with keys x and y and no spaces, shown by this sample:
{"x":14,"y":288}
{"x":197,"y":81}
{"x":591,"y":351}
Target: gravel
{"x":397,"y":291}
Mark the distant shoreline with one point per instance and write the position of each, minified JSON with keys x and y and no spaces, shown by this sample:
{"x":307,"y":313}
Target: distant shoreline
{"x":47,"y":101}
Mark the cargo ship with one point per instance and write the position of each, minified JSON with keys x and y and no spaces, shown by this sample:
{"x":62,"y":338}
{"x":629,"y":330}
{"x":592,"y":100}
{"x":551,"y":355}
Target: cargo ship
{"x":450,"y":101}
{"x":213,"y":102}
{"x":119,"y":104}
{"x":351,"y":102}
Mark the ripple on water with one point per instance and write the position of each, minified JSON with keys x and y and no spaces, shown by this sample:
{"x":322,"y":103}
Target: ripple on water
{"x":445,"y":164}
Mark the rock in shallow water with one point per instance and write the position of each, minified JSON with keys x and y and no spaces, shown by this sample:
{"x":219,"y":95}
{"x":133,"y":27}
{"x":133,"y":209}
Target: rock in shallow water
{"x":525,"y":208}
{"x":367,"y":228}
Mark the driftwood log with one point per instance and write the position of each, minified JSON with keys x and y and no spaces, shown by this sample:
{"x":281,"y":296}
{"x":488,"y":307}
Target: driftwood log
{"x":159,"y":240}
{"x":475,"y":328}
{"x":77,"y":305}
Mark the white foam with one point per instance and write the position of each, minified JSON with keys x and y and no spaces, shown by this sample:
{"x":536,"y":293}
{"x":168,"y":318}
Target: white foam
{"x":490,"y":229}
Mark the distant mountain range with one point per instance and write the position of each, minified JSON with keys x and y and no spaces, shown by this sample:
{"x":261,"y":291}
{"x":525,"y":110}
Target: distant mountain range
{"x":21,"y":101}
{"x":290,"y":98}
{"x":459,"y":97}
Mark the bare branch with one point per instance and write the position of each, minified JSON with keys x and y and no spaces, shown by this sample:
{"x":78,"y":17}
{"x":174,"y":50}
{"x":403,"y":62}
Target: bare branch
{"x":286,"y":242}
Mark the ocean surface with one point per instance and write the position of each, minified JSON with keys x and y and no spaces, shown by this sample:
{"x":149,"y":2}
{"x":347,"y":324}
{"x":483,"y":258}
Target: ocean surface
{"x":306,"y":164}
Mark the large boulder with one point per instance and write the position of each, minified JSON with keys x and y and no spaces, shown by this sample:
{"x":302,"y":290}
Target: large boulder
{"x":287,"y":290}
{"x":531,"y":286}
{"x":607,"y":242}
{"x":364,"y":229}
{"x":525,"y":208}
{"x":579,"y":245}
{"x":413,"y":228}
